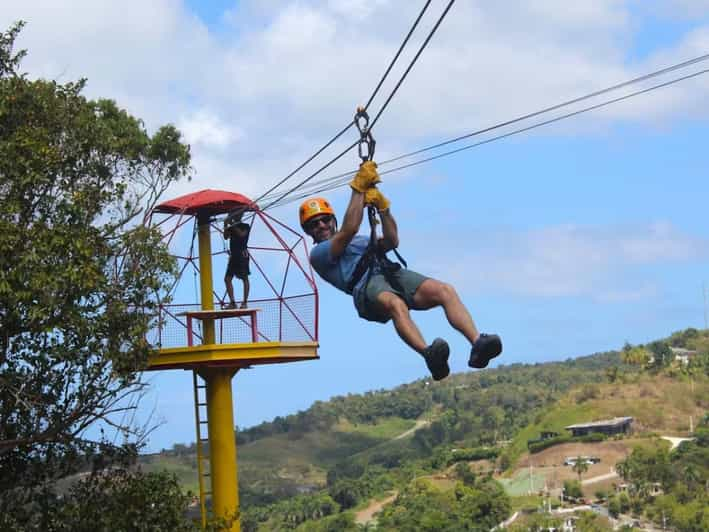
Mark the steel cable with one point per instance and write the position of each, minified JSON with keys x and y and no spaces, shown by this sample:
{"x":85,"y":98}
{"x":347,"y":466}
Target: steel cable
{"x":645,"y":77}
{"x":336,"y":184}
{"x":348,"y":126}
{"x":381,"y":110}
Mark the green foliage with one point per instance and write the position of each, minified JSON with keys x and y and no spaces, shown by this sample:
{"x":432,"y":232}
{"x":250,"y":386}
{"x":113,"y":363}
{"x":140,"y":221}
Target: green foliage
{"x":638,"y":356}
{"x":465,"y":474}
{"x":537,"y":522}
{"x":662,"y":355}
{"x":591,"y":522}
{"x":116,"y":499}
{"x":471,"y":454}
{"x":614,"y":507}
{"x":536,"y":446}
{"x":79,"y":276}
{"x":587,"y":392}
{"x":540,"y":445}
{"x":682,"y":476}
{"x":572,"y":488}
{"x":342,"y":522}
{"x":359,"y":461}
{"x":422,"y":507}
{"x":290,"y":513}
{"x":580,"y":467}
{"x":349,"y":492}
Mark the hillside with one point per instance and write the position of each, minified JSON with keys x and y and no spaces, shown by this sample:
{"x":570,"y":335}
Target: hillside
{"x":356,"y":448}
{"x":293,"y":454}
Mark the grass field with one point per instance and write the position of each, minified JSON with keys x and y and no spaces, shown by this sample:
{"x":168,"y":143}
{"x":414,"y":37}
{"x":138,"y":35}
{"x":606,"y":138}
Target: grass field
{"x":185,"y":468}
{"x":385,"y":429}
{"x":522,"y":483}
{"x":656,"y":404}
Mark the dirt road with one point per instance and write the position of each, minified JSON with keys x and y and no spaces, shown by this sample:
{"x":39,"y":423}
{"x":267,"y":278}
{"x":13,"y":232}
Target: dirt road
{"x":365,"y":516}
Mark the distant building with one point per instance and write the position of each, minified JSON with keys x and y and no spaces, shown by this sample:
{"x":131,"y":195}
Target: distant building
{"x":618,"y":425}
{"x":683,"y":356}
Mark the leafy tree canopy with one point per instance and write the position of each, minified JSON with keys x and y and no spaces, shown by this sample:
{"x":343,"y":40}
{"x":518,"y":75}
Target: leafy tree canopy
{"x":79,"y":273}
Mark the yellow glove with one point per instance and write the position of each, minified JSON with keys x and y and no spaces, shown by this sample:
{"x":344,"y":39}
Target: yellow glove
{"x":373,"y":196}
{"x":366,"y":177}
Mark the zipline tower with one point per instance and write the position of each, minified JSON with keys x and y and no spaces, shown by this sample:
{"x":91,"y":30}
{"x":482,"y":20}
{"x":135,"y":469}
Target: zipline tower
{"x":279,"y":325}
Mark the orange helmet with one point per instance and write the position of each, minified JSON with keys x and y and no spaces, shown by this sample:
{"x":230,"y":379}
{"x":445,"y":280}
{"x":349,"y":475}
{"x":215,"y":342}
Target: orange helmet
{"x":312,"y":207}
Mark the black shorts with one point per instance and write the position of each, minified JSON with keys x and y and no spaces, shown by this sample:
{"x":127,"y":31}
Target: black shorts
{"x":238,"y":266}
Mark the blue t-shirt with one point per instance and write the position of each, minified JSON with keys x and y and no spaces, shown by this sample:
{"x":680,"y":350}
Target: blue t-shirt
{"x":338,"y":271}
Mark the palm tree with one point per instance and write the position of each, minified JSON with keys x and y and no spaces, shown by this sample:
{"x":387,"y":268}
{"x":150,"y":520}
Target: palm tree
{"x":580,"y":466}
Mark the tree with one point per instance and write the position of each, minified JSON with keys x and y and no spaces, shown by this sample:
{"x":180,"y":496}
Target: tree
{"x":80,"y":276}
{"x":662,"y":355}
{"x":591,"y":522}
{"x":464,"y":474}
{"x":580,"y":466}
{"x":612,"y":374}
{"x":614,"y":506}
{"x":121,"y":500}
{"x":572,"y":489}
{"x":638,"y":356}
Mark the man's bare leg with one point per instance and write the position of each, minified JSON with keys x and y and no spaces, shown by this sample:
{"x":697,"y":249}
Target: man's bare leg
{"x":230,"y":290}
{"x":247,"y":286}
{"x":434,"y":293}
{"x":435,"y":355}
{"x":404,"y":325}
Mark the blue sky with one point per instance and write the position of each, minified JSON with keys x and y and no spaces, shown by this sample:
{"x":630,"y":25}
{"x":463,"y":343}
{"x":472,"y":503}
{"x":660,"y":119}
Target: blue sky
{"x":567,"y":240}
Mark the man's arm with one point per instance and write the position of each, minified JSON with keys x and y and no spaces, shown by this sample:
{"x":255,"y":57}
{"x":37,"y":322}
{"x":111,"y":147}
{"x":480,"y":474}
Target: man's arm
{"x":390,"y":232}
{"x":350,"y":224}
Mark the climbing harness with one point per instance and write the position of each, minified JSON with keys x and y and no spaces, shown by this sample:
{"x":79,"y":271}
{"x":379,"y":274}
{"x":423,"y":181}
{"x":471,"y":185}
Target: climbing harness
{"x":374,"y":258}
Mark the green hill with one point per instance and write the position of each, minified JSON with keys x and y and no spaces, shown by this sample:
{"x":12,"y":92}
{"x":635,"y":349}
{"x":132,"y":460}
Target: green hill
{"x":339,"y":454}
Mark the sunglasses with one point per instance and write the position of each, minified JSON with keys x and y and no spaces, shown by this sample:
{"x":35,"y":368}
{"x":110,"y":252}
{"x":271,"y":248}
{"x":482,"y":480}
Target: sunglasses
{"x":313,"y":223}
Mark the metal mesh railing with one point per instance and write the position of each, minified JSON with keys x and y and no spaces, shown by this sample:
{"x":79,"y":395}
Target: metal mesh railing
{"x":287,"y":319}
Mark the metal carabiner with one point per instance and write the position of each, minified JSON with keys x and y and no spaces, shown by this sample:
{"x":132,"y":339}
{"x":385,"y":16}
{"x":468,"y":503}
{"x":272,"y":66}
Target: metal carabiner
{"x":366,"y":139}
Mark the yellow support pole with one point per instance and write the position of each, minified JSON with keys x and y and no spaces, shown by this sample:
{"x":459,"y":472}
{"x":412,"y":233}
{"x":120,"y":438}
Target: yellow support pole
{"x":222,"y":446}
{"x":220,"y":410}
{"x":205,"y":276}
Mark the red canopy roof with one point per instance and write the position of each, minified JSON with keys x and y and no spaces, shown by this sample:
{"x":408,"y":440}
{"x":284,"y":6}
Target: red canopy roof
{"x":208,"y":201}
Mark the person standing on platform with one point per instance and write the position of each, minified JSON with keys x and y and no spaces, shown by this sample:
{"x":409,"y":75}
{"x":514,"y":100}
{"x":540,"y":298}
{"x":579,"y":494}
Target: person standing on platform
{"x":237,"y":233}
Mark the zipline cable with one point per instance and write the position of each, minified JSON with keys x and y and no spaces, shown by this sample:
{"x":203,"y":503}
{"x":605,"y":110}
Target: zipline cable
{"x":348,"y":126}
{"x":413,"y":61}
{"x":304,"y":181}
{"x":398,"y":53}
{"x":644,"y":77}
{"x":381,"y":110}
{"x":334,"y":185}
{"x":302,"y":165}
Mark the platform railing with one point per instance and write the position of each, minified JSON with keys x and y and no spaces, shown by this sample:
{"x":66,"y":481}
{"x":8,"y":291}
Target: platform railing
{"x":287,"y":319}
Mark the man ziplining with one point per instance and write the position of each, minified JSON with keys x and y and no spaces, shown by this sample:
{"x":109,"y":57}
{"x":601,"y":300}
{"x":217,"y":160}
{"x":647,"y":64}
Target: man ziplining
{"x":381,"y":289}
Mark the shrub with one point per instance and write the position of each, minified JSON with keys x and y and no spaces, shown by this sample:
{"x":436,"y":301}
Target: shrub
{"x":470,"y":454}
{"x":540,"y":445}
{"x":590,"y":438}
{"x":589,"y":391}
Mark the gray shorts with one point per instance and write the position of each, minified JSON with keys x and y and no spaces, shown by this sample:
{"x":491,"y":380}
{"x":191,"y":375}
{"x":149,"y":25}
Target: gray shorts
{"x":404,"y":284}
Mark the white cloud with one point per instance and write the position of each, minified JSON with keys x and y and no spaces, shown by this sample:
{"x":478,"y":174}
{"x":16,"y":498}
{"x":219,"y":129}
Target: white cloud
{"x":567,"y":260}
{"x":281,"y":77}
{"x":207,"y":130}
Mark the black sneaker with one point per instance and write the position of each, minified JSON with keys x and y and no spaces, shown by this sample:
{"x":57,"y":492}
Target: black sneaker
{"x":485,"y":348}
{"x":436,"y":356}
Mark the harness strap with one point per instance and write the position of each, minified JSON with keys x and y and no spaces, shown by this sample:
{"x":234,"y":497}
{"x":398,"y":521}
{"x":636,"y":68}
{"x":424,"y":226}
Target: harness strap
{"x":372,"y":256}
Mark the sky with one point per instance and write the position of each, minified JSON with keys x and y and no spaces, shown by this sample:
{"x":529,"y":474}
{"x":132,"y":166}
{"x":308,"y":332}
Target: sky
{"x":566,"y":240}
